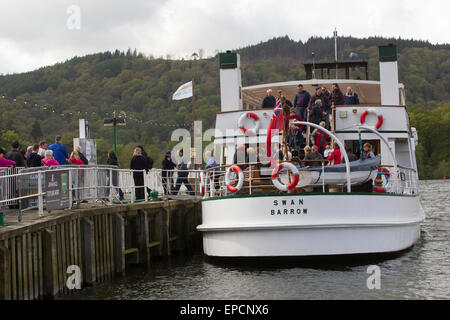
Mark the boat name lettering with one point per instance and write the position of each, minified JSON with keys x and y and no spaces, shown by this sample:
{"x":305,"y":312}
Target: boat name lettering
{"x":285,"y":202}
{"x":288,"y":211}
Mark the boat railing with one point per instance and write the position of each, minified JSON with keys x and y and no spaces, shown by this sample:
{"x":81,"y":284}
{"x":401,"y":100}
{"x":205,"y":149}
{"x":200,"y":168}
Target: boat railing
{"x":258,"y":179}
{"x":405,"y":182}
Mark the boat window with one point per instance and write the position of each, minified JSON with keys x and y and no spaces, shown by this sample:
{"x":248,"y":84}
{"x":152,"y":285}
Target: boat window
{"x":354,"y":146}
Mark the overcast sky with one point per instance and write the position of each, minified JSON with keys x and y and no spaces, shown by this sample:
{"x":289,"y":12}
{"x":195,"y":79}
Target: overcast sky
{"x":39,"y":33}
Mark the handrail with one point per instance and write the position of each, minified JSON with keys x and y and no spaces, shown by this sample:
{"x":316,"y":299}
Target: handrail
{"x":341,"y":146}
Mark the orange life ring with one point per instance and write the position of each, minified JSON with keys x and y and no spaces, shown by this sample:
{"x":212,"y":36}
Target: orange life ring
{"x":373,"y":111}
{"x":249,"y":115}
{"x":240,"y":183}
{"x":294,"y":182}
{"x":378,"y":184}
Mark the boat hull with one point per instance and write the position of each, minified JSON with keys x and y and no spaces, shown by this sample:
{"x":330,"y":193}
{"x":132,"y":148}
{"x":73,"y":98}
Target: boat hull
{"x":310,"y":224}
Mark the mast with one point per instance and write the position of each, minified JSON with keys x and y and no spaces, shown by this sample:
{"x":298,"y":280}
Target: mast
{"x":335,"y":50}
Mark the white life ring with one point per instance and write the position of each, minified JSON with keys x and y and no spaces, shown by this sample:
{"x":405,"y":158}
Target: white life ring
{"x":276,"y":182}
{"x":249,"y":115}
{"x":372,"y":111}
{"x":240,"y":183}
{"x":202,"y":184}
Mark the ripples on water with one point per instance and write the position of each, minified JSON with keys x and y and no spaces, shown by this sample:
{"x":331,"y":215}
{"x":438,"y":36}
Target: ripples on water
{"x":422,"y":272}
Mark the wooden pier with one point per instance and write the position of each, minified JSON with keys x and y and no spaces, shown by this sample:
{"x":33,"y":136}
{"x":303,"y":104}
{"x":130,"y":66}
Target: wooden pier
{"x":35,"y":255}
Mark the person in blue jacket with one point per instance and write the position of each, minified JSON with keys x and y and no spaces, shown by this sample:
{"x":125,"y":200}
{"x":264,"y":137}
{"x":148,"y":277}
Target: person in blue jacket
{"x":350,"y":97}
{"x":60,"y":152}
{"x":301,"y":101}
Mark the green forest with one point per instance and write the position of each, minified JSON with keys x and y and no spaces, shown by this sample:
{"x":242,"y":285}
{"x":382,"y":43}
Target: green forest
{"x":49,"y":101}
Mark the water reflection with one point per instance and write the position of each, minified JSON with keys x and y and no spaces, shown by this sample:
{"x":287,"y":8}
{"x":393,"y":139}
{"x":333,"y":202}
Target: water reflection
{"x":421,"y":272}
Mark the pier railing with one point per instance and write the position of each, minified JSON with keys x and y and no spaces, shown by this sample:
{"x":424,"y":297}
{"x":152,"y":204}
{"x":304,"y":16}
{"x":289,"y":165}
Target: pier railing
{"x":25,"y":189}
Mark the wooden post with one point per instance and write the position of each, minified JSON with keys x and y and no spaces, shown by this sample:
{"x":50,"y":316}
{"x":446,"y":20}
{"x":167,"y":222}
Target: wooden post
{"x":49,"y":263}
{"x":166,"y":247}
{"x":143,"y":237}
{"x":88,"y":251}
{"x":119,"y":244}
{"x":5,"y":283}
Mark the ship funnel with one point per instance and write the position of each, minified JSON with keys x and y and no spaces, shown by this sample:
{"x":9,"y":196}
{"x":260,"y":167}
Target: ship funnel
{"x":230,"y":81}
{"x":389,"y":86}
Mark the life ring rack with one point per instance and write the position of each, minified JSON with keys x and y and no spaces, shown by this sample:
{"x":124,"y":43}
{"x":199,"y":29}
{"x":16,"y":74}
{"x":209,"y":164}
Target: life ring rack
{"x":249,"y":115}
{"x":375,"y":112}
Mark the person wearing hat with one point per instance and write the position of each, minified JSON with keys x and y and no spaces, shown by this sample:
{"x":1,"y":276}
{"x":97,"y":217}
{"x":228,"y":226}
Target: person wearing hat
{"x":167,"y":166}
{"x":4,"y":163}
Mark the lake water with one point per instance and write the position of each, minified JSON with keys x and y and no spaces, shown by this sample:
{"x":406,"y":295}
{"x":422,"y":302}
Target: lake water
{"x":421,"y":272}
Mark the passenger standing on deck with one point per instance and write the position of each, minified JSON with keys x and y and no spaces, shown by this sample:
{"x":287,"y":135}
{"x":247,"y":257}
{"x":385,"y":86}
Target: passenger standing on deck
{"x":320,"y":94}
{"x":350,"y":97}
{"x":319,"y":138}
{"x":5,"y":162}
{"x":167,"y":164}
{"x":49,"y":161}
{"x":336,"y":95}
{"x":269,"y":101}
{"x":314,"y":155}
{"x":42,"y":147}
{"x":336,"y":156}
{"x":112,"y":161}
{"x":138,"y":162}
{"x":75,"y":159}
{"x":367,"y":151}
{"x":182,"y":175}
{"x":34,"y":159}
{"x":15,"y":155}
{"x":60,"y":152}
{"x":295,"y":136}
{"x":301,"y":101}
{"x":316,"y":112}
{"x":149,"y":164}
{"x":81,"y":155}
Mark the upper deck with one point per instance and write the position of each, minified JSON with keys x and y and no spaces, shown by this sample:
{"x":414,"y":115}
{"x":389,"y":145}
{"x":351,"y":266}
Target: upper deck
{"x":368,"y":91}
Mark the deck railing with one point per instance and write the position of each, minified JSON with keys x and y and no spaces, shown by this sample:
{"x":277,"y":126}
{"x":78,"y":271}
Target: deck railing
{"x":25,"y":188}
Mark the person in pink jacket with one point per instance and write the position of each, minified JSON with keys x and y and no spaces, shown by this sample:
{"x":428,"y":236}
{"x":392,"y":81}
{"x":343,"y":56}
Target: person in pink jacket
{"x":49,"y":161}
{"x":5,"y":162}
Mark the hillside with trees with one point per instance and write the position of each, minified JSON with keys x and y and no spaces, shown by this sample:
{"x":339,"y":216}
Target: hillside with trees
{"x":50,"y":100}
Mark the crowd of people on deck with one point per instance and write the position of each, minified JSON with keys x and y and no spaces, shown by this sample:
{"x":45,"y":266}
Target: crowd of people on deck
{"x":314,"y":108}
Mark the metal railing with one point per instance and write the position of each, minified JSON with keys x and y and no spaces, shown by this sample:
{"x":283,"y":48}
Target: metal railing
{"x":258,"y":179}
{"x":25,"y":189}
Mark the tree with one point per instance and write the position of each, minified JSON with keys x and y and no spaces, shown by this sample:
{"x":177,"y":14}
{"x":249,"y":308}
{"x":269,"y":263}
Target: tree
{"x":36,"y":132}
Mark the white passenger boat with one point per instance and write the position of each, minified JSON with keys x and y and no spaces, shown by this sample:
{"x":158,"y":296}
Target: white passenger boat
{"x":254,"y":210}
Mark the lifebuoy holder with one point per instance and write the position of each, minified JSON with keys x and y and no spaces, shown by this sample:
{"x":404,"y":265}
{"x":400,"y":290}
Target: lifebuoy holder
{"x":276,"y":181}
{"x":240,"y":173}
{"x":375,"y":112}
{"x":380,"y":184}
{"x":249,"y":115}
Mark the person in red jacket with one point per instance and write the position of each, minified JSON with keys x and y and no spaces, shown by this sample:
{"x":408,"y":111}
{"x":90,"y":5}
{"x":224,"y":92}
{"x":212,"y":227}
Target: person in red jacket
{"x":319,"y":138}
{"x":336,"y":155}
{"x":75,"y":159}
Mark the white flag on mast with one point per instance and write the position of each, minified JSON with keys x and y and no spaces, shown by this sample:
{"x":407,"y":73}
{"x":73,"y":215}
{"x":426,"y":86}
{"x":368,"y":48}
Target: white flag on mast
{"x":183,"y":92}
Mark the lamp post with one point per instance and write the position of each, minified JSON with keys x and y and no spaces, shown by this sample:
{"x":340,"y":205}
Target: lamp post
{"x":114,"y":122}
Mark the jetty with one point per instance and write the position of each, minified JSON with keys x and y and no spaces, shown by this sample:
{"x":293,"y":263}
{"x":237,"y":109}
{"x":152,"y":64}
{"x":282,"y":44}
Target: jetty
{"x":44,"y":254}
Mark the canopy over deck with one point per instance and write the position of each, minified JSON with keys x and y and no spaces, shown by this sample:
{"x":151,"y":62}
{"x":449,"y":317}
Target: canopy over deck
{"x":368,"y":91}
